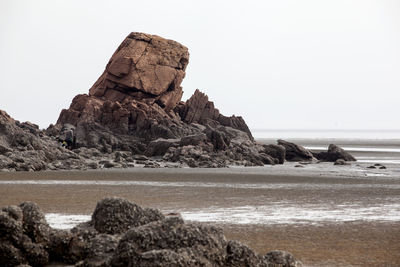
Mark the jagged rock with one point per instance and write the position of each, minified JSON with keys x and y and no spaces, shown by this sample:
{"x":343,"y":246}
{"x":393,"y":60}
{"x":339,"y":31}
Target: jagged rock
{"x":333,"y":154}
{"x":279,"y":258}
{"x":295,"y":152}
{"x":116,"y":215}
{"x":198,"y":109}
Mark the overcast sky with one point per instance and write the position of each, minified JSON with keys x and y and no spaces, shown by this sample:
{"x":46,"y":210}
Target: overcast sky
{"x":309,"y":64}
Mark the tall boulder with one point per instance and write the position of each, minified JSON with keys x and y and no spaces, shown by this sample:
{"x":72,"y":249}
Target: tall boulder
{"x":145,"y":67}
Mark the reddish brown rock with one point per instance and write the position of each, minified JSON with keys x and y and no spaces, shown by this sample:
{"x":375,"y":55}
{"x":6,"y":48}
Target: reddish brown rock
{"x":144,"y":67}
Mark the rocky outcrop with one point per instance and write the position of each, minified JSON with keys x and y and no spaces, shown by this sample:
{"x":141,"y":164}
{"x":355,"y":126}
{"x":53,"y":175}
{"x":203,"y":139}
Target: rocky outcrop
{"x":135,"y":236}
{"x":135,"y":106}
{"x":23,"y":147}
{"x":133,"y":99}
{"x":135,"y":109}
{"x":333,"y":154}
{"x":296,"y":152}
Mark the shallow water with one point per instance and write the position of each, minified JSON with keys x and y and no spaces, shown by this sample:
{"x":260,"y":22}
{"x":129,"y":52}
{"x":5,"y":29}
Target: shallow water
{"x":275,"y":213}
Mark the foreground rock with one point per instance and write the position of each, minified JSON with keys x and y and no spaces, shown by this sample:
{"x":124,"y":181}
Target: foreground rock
{"x":129,"y":236}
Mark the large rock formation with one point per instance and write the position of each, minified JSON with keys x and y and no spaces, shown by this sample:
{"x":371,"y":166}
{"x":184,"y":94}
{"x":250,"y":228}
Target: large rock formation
{"x":133,"y":236}
{"x":133,"y":115}
{"x":135,"y":106}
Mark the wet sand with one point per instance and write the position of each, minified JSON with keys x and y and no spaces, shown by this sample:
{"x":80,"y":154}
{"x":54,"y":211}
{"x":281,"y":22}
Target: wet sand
{"x":333,"y":219}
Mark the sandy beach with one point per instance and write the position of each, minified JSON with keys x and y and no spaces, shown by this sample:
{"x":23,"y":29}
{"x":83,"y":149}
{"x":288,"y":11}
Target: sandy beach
{"x":323,"y":216}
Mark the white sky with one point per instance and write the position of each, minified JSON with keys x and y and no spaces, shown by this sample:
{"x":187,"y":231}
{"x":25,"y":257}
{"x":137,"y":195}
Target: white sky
{"x":309,"y":64}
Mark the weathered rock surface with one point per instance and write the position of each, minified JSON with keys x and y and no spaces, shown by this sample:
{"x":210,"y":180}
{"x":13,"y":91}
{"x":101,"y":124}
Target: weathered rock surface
{"x":333,"y":154}
{"x":145,"y":238}
{"x":145,"y":67}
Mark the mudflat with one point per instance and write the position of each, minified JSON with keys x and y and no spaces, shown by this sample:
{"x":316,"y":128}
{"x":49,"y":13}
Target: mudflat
{"x":324,"y":220}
